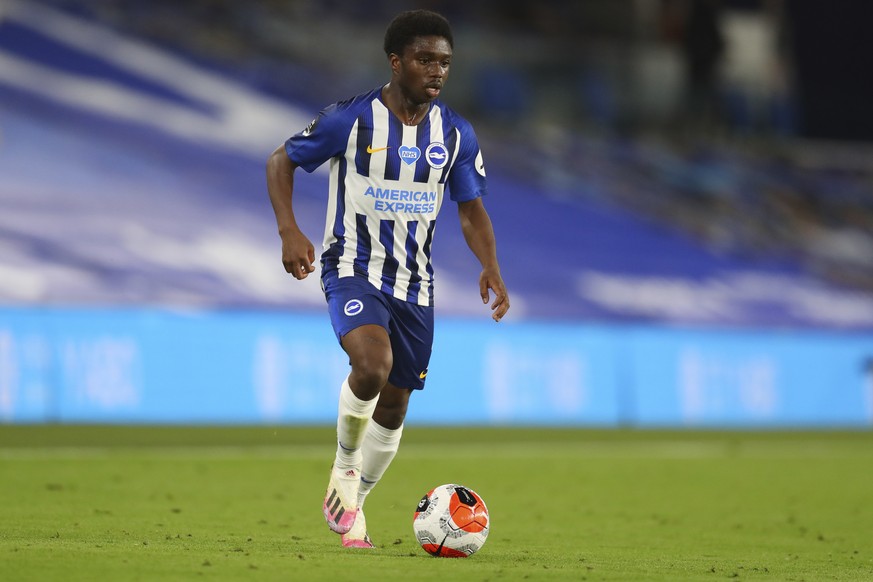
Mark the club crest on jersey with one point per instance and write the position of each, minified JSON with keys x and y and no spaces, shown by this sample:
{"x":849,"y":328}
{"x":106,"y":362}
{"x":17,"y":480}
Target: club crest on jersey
{"x":437,"y":155}
{"x":408,"y":154}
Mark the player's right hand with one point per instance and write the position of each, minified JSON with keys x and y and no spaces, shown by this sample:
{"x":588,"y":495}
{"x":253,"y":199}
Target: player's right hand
{"x":298,"y":255}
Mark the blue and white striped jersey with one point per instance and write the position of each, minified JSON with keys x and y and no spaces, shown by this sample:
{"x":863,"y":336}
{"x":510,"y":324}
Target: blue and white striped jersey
{"x":386,"y":188}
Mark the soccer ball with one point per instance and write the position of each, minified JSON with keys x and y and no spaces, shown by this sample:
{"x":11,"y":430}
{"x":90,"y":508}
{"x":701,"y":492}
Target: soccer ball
{"x":451,"y":521}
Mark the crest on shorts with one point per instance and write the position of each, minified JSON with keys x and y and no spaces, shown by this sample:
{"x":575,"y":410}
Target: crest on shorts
{"x":353,"y":307}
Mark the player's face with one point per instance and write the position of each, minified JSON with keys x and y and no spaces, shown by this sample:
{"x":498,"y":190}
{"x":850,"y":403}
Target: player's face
{"x":423,"y":68}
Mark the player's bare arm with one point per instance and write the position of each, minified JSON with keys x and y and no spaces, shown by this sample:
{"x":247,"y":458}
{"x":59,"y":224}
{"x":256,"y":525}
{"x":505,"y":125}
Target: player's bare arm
{"x":298,"y":254}
{"x":479,"y":234}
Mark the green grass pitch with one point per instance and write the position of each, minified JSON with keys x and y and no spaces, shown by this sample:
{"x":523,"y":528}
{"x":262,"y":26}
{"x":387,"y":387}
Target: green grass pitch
{"x":244,"y":503}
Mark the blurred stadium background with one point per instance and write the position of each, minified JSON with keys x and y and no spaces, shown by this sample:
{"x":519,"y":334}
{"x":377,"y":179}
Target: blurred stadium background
{"x":682,"y":193}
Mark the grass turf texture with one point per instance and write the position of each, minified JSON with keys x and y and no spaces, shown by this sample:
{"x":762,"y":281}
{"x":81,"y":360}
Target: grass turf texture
{"x":206,"y":503}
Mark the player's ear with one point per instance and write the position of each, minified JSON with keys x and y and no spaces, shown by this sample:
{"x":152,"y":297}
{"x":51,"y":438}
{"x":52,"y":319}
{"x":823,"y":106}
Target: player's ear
{"x":394,"y":61}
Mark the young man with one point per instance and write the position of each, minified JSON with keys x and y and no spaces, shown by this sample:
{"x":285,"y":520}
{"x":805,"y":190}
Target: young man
{"x":393,"y":151}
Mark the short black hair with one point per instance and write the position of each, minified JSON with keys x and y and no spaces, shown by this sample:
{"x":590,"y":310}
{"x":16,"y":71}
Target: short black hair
{"x":408,"y":25}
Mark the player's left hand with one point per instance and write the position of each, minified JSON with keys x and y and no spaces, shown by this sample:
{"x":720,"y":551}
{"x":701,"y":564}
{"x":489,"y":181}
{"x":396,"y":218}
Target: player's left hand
{"x":491,"y":279}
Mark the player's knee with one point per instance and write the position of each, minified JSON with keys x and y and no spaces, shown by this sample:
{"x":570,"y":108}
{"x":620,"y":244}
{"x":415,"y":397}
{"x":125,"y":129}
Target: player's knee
{"x":370,"y":374}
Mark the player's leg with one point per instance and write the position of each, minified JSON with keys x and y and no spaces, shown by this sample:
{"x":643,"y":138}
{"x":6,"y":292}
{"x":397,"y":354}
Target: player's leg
{"x":369,"y":351}
{"x":379,"y":447}
{"x":360,"y":320}
{"x":411,"y":343}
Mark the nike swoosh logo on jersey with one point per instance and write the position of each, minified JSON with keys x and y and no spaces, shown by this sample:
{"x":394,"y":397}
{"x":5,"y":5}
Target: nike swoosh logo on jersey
{"x":372,"y":150}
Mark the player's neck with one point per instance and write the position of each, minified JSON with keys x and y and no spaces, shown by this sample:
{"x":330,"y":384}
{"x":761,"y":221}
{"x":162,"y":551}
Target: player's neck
{"x":406,"y":110}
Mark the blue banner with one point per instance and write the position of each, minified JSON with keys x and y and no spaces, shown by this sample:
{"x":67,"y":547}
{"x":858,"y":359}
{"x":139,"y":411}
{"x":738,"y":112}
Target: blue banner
{"x":153,"y":366}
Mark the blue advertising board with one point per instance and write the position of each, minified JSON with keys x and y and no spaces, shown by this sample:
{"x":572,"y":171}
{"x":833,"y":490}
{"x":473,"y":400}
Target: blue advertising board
{"x":155,"y":366}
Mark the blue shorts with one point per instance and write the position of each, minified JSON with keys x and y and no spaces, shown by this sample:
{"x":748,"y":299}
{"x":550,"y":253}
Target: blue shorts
{"x":353,"y":302}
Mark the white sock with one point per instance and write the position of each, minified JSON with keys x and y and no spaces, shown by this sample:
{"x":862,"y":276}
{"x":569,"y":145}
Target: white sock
{"x":379,"y":447}
{"x":351,"y":425}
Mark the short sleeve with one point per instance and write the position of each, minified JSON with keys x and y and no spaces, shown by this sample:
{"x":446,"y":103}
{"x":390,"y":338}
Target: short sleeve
{"x":324,"y":138}
{"x":466,"y":180}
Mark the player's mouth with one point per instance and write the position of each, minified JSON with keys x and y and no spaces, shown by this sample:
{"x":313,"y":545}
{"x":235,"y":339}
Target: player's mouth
{"x":433,"y":90}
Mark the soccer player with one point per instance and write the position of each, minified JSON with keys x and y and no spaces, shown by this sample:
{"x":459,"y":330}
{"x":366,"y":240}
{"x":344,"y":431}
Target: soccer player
{"x":393,"y":151}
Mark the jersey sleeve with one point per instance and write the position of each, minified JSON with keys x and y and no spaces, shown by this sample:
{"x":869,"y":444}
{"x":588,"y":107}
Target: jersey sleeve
{"x":324,"y":138}
{"x":466,"y":180}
